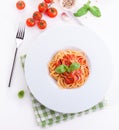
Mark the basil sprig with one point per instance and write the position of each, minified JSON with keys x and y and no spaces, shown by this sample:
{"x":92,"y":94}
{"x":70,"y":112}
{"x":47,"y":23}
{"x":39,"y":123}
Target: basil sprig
{"x":86,"y":7}
{"x":64,"y":68}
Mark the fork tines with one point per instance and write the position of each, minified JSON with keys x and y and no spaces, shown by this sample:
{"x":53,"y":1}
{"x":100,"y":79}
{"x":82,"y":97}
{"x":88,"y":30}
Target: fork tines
{"x":21,"y":31}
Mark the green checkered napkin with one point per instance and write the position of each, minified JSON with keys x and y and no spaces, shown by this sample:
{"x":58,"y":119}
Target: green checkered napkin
{"x":46,"y":117}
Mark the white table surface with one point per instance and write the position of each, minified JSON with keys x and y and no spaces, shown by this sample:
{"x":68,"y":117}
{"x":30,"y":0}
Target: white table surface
{"x":18,"y":114}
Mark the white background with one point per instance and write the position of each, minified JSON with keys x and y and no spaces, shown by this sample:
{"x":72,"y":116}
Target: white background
{"x":18,"y":114}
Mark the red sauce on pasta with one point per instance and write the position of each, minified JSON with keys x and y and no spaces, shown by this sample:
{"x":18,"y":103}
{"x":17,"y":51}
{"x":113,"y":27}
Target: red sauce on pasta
{"x":72,"y":79}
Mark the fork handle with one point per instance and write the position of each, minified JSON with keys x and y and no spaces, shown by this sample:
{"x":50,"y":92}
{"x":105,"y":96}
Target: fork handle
{"x":15,"y":54}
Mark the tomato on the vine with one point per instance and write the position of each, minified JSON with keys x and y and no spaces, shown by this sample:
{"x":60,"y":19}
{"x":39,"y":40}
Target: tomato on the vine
{"x":42,"y":24}
{"x":37,"y":15}
{"x":30,"y":22}
{"x":51,"y":12}
{"x":20,"y":5}
{"x":48,"y":1}
{"x":42,"y":7}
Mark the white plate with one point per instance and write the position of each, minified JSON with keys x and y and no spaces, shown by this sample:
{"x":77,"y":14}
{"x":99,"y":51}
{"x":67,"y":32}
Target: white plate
{"x":45,"y":89}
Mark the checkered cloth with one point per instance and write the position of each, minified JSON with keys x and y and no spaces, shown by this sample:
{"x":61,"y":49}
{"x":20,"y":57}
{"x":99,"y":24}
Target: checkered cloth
{"x":47,"y":117}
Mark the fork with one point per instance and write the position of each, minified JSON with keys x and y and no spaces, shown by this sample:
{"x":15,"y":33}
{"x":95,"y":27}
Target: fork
{"x":19,"y":39}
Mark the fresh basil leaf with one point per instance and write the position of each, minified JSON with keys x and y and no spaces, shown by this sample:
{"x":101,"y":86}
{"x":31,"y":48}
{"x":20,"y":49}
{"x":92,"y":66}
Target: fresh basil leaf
{"x":21,"y":94}
{"x":95,"y":11}
{"x":82,"y":11}
{"x":61,"y":69}
{"x":74,"y":66}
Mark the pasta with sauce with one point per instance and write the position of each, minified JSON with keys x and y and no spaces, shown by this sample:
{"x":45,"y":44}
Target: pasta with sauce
{"x":72,"y":79}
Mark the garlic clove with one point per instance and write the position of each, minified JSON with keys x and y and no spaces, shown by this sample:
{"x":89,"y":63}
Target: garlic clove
{"x":64,"y":16}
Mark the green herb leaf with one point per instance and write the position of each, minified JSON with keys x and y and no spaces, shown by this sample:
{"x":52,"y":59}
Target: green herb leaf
{"x":61,"y":69}
{"x":86,"y":7}
{"x":82,"y":11}
{"x":95,"y":11}
{"x":64,"y":68}
{"x":21,"y":94}
{"x":74,"y":66}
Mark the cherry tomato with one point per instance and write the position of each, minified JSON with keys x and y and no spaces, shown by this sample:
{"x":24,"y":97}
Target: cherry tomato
{"x":37,"y":15}
{"x":48,"y":1}
{"x":51,"y":12}
{"x":42,"y":24}
{"x":30,"y":22}
{"x":20,"y":5}
{"x":42,"y":7}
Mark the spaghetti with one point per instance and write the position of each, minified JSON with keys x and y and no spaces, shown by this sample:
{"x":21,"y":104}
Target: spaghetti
{"x":75,"y":78}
